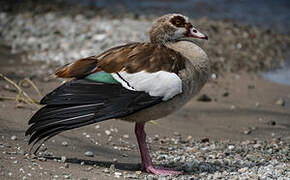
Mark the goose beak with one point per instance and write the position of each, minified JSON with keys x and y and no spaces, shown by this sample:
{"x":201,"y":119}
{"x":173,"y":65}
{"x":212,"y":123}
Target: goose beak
{"x":196,"y":34}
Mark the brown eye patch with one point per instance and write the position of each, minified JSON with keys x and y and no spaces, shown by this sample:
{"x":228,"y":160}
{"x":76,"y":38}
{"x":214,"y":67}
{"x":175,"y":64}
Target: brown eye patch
{"x":178,"y":21}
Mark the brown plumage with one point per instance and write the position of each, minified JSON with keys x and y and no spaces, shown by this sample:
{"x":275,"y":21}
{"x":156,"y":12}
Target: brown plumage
{"x":132,"y":58}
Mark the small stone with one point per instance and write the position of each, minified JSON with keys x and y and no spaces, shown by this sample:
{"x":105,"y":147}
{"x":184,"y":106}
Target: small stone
{"x":117,"y":174}
{"x":63,"y":159}
{"x":126,"y":136}
{"x":108,"y":132}
{"x":131,"y":176}
{"x":89,"y":154}
{"x":231,"y":147}
{"x":272,"y":123}
{"x":66,"y":165}
{"x":64,"y":143}
{"x":204,"y":140}
{"x":14,"y":138}
{"x":20,"y":105}
{"x":251,"y":86}
{"x":247,"y":132}
{"x":280,"y":102}
{"x":82,"y":163}
{"x":233,"y":107}
{"x":213,"y":76}
{"x":176,"y":134}
{"x":97,"y":126}
{"x":106,"y":170}
{"x":204,"y":98}
{"x":226,"y":94}
{"x":67,"y":176}
{"x":138,"y":172}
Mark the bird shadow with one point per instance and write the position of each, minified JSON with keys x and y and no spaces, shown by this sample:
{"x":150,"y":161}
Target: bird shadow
{"x":197,"y":168}
{"x":105,"y":164}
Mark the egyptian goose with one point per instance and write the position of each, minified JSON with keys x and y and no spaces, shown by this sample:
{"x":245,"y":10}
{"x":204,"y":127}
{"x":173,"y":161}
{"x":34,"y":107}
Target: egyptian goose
{"x":136,"y":82}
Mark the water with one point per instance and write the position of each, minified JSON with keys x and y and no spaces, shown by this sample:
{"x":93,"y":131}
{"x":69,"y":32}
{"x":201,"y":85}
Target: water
{"x":281,"y":76}
{"x":274,"y":14}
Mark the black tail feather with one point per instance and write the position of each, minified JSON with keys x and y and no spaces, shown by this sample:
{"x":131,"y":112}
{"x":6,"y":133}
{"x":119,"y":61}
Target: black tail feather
{"x":82,"y":102}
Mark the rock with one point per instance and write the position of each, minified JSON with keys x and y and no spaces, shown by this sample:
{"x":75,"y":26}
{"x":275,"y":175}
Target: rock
{"x":126,"y":136}
{"x":226,"y":94}
{"x":108,"y":132}
{"x":64,"y":143}
{"x":131,"y":176}
{"x":106,"y":170}
{"x":231,"y":147}
{"x":89,"y":154}
{"x":63,"y":159}
{"x":280,"y":102}
{"x":204,"y":98}
{"x":247,"y":132}
{"x":67,"y":176}
{"x":272,"y":123}
{"x":117,"y":174}
{"x":204,"y":140}
{"x":251,"y":86}
{"x":14,"y":138}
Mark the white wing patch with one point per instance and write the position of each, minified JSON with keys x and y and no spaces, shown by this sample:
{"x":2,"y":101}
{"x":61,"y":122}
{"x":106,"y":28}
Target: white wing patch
{"x":162,"y":83}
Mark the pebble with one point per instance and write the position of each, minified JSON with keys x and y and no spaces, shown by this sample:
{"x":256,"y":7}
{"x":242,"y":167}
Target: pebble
{"x":106,"y":170}
{"x":226,"y":94}
{"x":272,"y":123}
{"x":247,"y":132}
{"x":126,"y":136}
{"x":117,"y":174}
{"x":67,"y":176}
{"x":63,"y":159}
{"x":97,"y":126}
{"x":280,"y":102}
{"x":131,"y":176}
{"x":107,"y":132}
{"x":89,"y":154}
{"x":64,"y":143}
{"x":204,"y":98}
{"x":14,"y":138}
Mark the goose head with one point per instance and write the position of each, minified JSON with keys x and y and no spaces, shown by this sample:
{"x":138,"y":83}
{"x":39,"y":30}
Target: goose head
{"x":173,"y":28}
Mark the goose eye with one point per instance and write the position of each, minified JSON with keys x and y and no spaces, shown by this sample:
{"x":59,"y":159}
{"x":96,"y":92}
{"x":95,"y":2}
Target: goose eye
{"x":177,"y":22}
{"x":195,"y":31}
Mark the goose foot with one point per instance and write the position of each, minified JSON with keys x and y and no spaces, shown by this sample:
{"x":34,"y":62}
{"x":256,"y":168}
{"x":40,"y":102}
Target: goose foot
{"x":161,"y":171}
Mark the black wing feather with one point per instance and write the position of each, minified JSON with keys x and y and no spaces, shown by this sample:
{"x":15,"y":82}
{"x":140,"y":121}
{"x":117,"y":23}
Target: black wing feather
{"x":82,"y":102}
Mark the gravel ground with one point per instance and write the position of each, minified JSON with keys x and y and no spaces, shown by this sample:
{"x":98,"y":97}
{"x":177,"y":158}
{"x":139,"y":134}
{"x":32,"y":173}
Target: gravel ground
{"x":198,"y":159}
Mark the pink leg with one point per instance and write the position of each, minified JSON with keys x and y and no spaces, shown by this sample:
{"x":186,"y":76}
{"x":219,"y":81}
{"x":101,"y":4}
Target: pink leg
{"x":147,"y":164}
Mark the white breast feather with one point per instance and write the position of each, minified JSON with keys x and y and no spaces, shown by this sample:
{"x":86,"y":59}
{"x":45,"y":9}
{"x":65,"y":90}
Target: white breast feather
{"x":162,"y":83}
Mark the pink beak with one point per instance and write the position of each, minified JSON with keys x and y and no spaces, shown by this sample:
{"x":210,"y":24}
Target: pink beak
{"x":196,"y":34}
